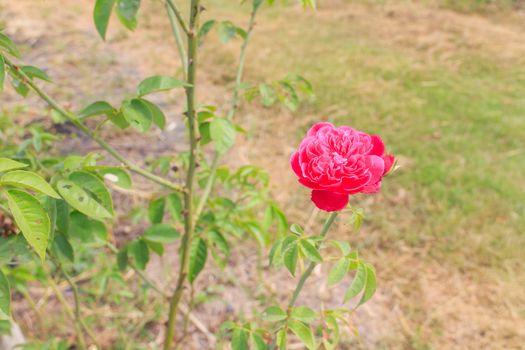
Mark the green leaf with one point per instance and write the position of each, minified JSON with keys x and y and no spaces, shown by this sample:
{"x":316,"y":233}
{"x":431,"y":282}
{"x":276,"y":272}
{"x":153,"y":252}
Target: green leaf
{"x":31,"y":218}
{"x":62,"y":216}
{"x":20,"y":88}
{"x":7,"y":164}
{"x":157,"y":248}
{"x":156,"y":210}
{"x":157,"y":115}
{"x":122,"y":258}
{"x":63,"y":247}
{"x":304,"y":333}
{"x":311,"y":252}
{"x":370,"y":285}
{"x":303,"y":314}
{"x":29,"y":180}
{"x":161,"y":233}
{"x":127,"y":12}
{"x":9,"y":46}
{"x":218,"y":240}
{"x":268,"y":95}
{"x":101,"y":15}
{"x":204,"y":132}
{"x":357,"y":284}
{"x":198,"y":256}
{"x":281,"y":339}
{"x":35,"y":72}
{"x":159,"y":83}
{"x":343,"y":246}
{"x":259,"y":342}
{"x":95,"y":186}
{"x":96,"y":108}
{"x":240,"y":339}
{"x":137,"y":114}
{"x":290,"y":254}
{"x":116,"y":175}
{"x":81,"y":200}
{"x":205,"y":29}
{"x":338,"y":271}
{"x":274,"y":314}
{"x":2,"y":72}
{"x":86,"y":229}
{"x":226,"y":31}
{"x":297,"y":229}
{"x":119,"y":120}
{"x":222,"y":132}
{"x":175,"y":206}
{"x":5,"y":297}
{"x":140,"y":253}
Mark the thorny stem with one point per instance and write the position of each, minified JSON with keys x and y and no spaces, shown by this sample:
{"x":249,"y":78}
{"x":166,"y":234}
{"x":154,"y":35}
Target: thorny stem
{"x":233,"y":109}
{"x":75,"y":121}
{"x":188,"y":195}
{"x":178,"y":39}
{"x":179,"y":17}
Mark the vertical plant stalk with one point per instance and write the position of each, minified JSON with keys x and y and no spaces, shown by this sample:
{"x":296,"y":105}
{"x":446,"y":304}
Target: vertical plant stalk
{"x":190,"y":177}
{"x":178,"y":38}
{"x":233,"y":109}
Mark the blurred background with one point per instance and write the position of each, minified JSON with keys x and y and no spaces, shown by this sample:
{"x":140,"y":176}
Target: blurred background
{"x":442,"y":82}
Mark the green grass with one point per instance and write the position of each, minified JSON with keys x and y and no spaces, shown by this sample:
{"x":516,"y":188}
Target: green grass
{"x":458,"y":125}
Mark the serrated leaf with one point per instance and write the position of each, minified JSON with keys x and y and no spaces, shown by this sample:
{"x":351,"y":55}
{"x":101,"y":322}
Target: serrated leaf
{"x":8,"y":45}
{"x":157,"y":116}
{"x":290,"y":255}
{"x":127,"y":12}
{"x":29,"y":180}
{"x":175,"y":206}
{"x":5,"y":297}
{"x":81,"y":200}
{"x":7,"y":164}
{"x":370,"y":284}
{"x":94,"y":185}
{"x":338,"y":271}
{"x":240,"y":339}
{"x":274,"y":314}
{"x":35,"y":72}
{"x":101,"y":15}
{"x":138,"y":249}
{"x":161,"y":233}
{"x":156,"y":210}
{"x":303,"y":314}
{"x":357,"y":284}
{"x":198,"y":256}
{"x":159,"y":83}
{"x":219,"y":241}
{"x":96,"y":108}
{"x":310,"y":251}
{"x":137,"y":114}
{"x":304,"y":333}
{"x":31,"y":218}
{"x":222,"y":132}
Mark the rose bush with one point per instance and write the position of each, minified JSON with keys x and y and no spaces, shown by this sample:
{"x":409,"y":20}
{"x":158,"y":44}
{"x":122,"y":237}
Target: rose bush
{"x":337,"y":162}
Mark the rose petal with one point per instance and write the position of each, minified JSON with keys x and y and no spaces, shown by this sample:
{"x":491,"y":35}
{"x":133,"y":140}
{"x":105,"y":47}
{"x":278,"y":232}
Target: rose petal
{"x":378,"y":147}
{"x":316,"y":127}
{"x":296,"y":167}
{"x":372,"y":188}
{"x":329,"y":201}
{"x":376,"y":166}
{"x":389,"y":162}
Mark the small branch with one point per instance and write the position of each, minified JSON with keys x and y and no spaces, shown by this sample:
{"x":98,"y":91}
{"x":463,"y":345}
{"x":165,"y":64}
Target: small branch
{"x":178,"y":39}
{"x":73,"y":119}
{"x":179,"y":17}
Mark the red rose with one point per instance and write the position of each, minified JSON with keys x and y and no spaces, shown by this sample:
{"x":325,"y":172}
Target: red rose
{"x":337,"y":162}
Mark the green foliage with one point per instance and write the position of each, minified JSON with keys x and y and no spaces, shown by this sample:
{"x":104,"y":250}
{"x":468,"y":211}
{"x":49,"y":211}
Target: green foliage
{"x":101,"y":15}
{"x":5,"y":297}
{"x":159,"y":83}
{"x":198,"y":255}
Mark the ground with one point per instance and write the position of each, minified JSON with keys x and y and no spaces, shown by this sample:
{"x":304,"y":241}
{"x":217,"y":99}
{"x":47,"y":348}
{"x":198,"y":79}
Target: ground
{"x":445,"y":90}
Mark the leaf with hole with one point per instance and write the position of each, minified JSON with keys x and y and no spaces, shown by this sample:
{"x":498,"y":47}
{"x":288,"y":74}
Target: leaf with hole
{"x":31,"y":218}
{"x":81,"y":200}
{"x":116,"y":175}
{"x":95,"y":186}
